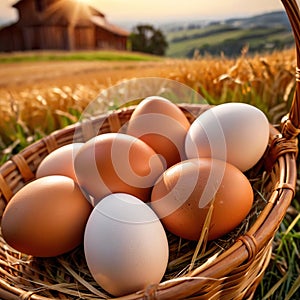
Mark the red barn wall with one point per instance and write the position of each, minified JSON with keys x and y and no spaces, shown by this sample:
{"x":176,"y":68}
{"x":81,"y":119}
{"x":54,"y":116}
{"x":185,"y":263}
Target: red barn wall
{"x":108,"y":40}
{"x":31,"y":33}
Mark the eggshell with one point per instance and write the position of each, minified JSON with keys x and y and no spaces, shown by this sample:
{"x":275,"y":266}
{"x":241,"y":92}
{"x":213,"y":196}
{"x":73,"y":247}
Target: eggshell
{"x":162,"y":125}
{"x":183,"y":195}
{"x":59,"y":162}
{"x":235,"y":132}
{"x":125,"y":245}
{"x":117,"y":162}
{"x":47,"y":217}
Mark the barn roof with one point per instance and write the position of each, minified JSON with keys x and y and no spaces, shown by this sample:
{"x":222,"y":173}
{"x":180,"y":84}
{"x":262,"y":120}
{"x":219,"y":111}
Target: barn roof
{"x":102,"y":22}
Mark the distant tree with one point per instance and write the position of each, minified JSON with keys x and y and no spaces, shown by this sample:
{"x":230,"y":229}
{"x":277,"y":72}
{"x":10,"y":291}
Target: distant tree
{"x":147,"y":39}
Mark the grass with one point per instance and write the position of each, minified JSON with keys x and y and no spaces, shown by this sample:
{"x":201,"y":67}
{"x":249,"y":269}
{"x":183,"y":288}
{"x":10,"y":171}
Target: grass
{"x":76,"y":55}
{"x":282,"y":277}
{"x":265,"y":81}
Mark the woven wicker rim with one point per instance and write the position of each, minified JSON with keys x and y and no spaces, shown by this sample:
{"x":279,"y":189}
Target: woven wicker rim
{"x":232,"y":275}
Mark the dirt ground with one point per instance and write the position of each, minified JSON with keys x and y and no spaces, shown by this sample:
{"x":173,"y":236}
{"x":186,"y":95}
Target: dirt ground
{"x":16,"y":76}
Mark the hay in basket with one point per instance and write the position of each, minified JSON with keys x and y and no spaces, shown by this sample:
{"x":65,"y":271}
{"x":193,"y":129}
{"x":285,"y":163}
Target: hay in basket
{"x":229,"y":268}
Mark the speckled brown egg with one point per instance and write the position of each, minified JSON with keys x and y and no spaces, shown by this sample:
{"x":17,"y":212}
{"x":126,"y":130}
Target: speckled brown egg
{"x":184,"y":194}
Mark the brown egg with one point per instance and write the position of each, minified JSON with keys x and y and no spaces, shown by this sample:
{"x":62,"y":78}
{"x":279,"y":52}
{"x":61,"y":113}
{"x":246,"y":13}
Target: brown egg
{"x":117,"y":163}
{"x":59,"y":162}
{"x":47,"y":217}
{"x":162,"y":125}
{"x":183,"y":195}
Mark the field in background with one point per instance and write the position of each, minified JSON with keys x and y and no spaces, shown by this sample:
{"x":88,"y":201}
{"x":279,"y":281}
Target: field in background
{"x":265,"y":32}
{"x":217,"y":38}
{"x":37,"y":98}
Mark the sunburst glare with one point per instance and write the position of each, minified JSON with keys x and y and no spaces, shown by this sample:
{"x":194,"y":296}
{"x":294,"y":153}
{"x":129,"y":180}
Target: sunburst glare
{"x":67,"y":9}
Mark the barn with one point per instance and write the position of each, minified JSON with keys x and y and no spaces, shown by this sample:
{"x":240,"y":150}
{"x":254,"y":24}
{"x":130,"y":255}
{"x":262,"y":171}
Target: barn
{"x":60,"y":25}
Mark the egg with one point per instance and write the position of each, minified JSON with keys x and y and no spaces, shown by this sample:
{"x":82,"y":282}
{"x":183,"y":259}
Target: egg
{"x":47,"y":217}
{"x":235,"y":132}
{"x":162,"y":125}
{"x":125,"y":245}
{"x":59,"y":162}
{"x":183,"y":195}
{"x":117,"y":162}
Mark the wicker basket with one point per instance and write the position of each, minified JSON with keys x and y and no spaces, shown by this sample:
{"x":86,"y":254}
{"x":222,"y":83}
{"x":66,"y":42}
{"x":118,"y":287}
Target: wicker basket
{"x":234,"y":274}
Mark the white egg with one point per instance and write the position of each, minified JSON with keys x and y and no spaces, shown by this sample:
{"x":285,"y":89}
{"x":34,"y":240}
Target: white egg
{"x":125,"y":245}
{"x":234,"y":132}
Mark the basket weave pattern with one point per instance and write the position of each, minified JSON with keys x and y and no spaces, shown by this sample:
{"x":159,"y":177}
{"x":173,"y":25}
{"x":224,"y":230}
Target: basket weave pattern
{"x":234,"y":274}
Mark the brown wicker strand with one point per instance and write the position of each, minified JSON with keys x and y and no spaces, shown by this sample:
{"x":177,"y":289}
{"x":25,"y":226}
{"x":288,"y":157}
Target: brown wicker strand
{"x":88,"y":131}
{"x":114,"y":122}
{"x":50,"y":142}
{"x":290,"y":131}
{"x":281,"y":145}
{"x":23,"y":167}
{"x":283,"y":185}
{"x":293,"y":14}
{"x":250,"y":242}
{"x":5,"y":189}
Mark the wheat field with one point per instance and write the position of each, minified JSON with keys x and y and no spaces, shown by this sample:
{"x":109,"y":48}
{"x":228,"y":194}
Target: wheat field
{"x":37,"y":98}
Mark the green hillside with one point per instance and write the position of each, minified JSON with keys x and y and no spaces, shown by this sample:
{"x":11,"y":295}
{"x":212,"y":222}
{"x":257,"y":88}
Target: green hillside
{"x":231,"y":36}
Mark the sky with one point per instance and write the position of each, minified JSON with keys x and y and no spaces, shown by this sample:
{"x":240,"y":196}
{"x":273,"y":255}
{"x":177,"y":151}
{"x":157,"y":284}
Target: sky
{"x":153,"y":11}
